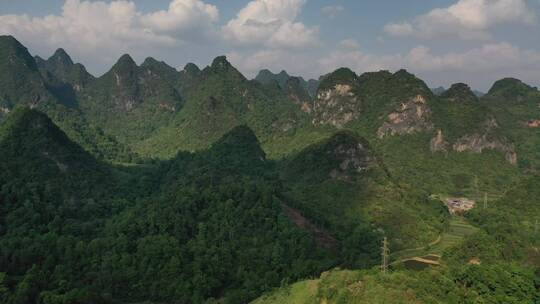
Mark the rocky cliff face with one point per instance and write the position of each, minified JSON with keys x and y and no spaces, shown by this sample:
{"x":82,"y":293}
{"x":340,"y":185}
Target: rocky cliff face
{"x":298,"y":94}
{"x":438,"y":143}
{"x":336,"y":106}
{"x":59,"y":69}
{"x":20,"y":81}
{"x":353,"y":157}
{"x":124,"y":84}
{"x":487,"y":140}
{"x":128,"y":86}
{"x":345,"y":156}
{"x":298,"y":90}
{"x":411,"y":116}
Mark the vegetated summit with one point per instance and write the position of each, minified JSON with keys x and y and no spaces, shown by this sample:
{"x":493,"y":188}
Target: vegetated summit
{"x":149,"y":184}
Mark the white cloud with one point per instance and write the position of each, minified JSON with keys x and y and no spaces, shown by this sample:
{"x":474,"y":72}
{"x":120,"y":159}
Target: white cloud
{"x":332,"y":10}
{"x":489,"y":57}
{"x":350,"y":44}
{"x":468,"y":19}
{"x":183,"y":16}
{"x":478,"y":66}
{"x":399,"y":29}
{"x":89,"y":28}
{"x":272,"y":24}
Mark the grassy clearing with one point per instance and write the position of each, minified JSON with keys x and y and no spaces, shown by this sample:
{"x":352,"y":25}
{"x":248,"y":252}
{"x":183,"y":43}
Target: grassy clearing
{"x":458,"y":229}
{"x":303,"y":292}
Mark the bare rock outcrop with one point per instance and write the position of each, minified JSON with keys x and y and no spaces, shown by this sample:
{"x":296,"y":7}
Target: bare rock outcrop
{"x":4,"y":110}
{"x":298,"y":94}
{"x":438,"y":143}
{"x":533,"y":123}
{"x":336,"y":106}
{"x":411,"y":116}
{"x":353,"y":157}
{"x":478,"y":142}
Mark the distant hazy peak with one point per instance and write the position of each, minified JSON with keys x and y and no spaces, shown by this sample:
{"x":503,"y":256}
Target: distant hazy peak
{"x":61,"y":57}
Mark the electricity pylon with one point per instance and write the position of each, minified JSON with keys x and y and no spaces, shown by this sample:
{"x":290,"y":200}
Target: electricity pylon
{"x":384,"y":255}
{"x":476,"y":187}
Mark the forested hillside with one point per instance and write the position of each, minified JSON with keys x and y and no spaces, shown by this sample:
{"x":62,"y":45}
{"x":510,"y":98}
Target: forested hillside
{"x":206,"y":225}
{"x":154,"y":185}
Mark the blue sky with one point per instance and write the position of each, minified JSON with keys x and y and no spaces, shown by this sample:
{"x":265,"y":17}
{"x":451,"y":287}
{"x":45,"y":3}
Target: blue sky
{"x":442,"y":41}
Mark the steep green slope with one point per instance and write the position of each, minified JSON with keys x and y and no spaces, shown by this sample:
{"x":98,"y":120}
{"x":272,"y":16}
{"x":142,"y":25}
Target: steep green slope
{"x":20,"y":81}
{"x":500,"y":263}
{"x":31,"y":144}
{"x":468,"y":284}
{"x":201,"y":226}
{"x":266,"y":77}
{"x":64,"y":78}
{"x":343,"y":185}
{"x":52,"y":89}
{"x":53,"y":196}
{"x":49,"y":186}
{"x":130,"y":102}
{"x":222,"y":99}
{"x":459,"y":92}
{"x":515,"y":105}
{"x":511,"y":90}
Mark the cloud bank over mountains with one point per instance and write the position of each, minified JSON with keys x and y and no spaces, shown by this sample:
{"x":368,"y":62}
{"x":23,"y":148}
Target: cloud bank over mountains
{"x":467,"y":19}
{"x":275,"y":34}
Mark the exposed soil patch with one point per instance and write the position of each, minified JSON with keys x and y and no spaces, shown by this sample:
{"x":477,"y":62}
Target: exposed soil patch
{"x":322,"y":238}
{"x":459,"y":205}
{"x":533,"y":123}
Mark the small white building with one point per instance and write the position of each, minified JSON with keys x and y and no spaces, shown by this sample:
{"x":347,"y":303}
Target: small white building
{"x":459,"y":205}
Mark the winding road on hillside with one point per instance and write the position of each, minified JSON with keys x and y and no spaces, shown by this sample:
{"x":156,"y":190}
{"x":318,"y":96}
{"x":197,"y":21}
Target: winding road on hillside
{"x":458,"y":229}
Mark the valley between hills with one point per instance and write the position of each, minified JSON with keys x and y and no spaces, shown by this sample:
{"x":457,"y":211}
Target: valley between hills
{"x":150,"y":184}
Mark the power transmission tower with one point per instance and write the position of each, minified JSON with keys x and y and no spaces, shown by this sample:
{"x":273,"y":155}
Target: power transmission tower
{"x":384,"y":254}
{"x":476,"y":186}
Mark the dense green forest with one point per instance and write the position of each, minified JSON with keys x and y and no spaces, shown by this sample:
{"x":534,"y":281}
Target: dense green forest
{"x":153,"y":185}
{"x":200,"y":226}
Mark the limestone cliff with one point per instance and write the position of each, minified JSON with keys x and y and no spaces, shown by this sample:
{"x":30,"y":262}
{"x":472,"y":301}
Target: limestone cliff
{"x":336,"y":106}
{"x":438,"y":143}
{"x":487,"y":140}
{"x":413,"y":115}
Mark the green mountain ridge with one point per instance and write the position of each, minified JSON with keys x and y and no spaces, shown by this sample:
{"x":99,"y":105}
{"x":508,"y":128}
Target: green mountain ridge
{"x":19,"y":76}
{"x":460,"y":92}
{"x":266,"y":77}
{"x":202,"y":186}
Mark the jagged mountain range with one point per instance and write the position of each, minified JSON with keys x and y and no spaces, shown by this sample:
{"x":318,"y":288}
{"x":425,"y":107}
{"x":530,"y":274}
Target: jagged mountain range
{"x":216,"y":186}
{"x":153,"y":110}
